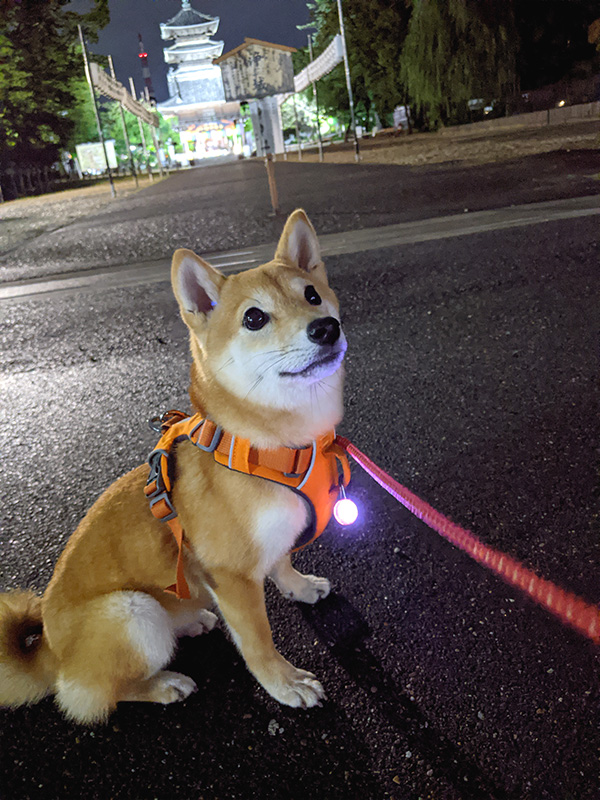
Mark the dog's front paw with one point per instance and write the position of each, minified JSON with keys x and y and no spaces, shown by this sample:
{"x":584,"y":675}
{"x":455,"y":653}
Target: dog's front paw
{"x":296,"y":688}
{"x":308,"y":589}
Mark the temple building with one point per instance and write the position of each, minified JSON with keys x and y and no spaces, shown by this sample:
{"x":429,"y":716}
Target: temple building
{"x":207,"y":123}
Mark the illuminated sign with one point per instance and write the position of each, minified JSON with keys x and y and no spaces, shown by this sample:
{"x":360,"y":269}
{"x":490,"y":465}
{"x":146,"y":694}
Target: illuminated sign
{"x":256,"y":69}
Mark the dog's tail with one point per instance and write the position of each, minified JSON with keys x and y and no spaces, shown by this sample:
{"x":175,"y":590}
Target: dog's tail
{"x":27,"y":665}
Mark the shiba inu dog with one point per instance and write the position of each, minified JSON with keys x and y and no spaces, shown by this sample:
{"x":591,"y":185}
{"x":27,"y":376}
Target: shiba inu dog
{"x":267,"y":351}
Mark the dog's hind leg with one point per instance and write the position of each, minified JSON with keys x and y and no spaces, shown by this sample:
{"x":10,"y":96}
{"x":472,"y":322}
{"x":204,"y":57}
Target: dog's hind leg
{"x":242,"y":603}
{"x":296,"y":586}
{"x":164,"y":687}
{"x":113,"y":648}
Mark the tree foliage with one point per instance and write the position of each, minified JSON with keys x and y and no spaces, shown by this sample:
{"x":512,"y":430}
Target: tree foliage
{"x":436,"y":55}
{"x":455,"y":51}
{"x":375,"y":31}
{"x":84,"y":127}
{"x":40,"y":63}
{"x":553,"y":38}
{"x":594,"y":33}
{"x":112,"y":128}
{"x":81,"y":114}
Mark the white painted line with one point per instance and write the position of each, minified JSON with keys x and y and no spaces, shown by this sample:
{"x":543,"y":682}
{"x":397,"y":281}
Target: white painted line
{"x":229,"y":263}
{"x":216,"y":256}
{"x":343,"y":243}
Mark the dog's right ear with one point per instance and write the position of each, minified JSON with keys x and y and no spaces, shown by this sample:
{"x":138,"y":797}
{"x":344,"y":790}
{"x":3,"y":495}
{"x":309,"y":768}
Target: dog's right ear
{"x":196,"y":284}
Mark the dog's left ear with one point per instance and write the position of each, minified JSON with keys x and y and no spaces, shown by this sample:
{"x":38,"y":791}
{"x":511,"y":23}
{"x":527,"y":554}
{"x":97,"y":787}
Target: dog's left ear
{"x":299,"y":245}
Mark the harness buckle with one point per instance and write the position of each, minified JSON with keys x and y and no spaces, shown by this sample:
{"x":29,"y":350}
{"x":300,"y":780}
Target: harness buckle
{"x":216,"y":437}
{"x":155,"y":483}
{"x":155,"y":423}
{"x":159,"y":511}
{"x":162,"y":423}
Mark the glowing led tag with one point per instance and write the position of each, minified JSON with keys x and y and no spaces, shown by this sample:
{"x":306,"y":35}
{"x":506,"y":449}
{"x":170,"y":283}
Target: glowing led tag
{"x":345,"y":510}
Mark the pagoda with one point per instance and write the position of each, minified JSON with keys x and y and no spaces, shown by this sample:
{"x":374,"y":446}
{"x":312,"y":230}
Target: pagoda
{"x":196,"y":94}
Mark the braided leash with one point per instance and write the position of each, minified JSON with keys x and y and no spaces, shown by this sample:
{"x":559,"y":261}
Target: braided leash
{"x":568,"y":607}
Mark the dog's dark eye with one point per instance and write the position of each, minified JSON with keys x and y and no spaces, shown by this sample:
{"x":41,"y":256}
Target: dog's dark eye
{"x":312,"y":296}
{"x":255,"y":319}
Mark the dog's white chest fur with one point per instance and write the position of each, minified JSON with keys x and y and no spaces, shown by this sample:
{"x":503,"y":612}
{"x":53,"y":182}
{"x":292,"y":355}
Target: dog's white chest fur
{"x":277,"y":525}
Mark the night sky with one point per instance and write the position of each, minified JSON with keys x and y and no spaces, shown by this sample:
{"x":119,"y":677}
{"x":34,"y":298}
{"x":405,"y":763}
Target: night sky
{"x":271,"y":20}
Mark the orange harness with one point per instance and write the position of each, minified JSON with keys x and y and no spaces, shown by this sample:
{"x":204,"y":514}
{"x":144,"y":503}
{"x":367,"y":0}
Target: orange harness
{"x":310,"y":471}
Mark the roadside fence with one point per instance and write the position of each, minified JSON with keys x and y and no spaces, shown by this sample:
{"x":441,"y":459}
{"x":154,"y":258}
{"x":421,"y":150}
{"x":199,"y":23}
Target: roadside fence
{"x":27,"y":180}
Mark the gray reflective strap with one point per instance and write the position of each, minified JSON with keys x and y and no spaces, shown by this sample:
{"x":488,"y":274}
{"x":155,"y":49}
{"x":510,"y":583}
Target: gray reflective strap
{"x":231,"y":446}
{"x":310,"y":466}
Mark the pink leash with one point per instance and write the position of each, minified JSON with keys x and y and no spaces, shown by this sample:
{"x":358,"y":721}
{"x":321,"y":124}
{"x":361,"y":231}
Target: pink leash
{"x":568,"y":607}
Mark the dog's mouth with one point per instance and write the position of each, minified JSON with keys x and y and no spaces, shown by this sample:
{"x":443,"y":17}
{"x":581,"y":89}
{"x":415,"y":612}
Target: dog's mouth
{"x":326,"y":365}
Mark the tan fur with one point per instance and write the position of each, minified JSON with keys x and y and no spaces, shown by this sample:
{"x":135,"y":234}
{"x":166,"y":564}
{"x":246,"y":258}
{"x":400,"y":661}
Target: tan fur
{"x":26,"y":663}
{"x":109,"y":629}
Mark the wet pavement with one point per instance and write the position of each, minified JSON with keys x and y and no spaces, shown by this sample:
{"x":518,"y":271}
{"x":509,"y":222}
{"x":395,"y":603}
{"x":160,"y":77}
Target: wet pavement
{"x":332,"y":244}
{"x":220,"y":208}
{"x":472,"y":378}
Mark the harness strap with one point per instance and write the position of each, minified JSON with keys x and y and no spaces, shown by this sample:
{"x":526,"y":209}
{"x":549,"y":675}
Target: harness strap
{"x":294,"y":465}
{"x":180,"y":588}
{"x":288,"y":460}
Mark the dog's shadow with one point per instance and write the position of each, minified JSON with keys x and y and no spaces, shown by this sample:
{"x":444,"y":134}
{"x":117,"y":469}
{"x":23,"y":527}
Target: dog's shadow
{"x":344,"y":632}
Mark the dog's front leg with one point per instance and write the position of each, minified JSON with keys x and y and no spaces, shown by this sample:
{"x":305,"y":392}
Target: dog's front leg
{"x":242,"y":603}
{"x":296,"y":586}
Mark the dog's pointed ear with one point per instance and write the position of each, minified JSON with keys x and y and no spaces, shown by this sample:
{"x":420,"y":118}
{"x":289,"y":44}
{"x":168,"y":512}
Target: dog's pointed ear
{"x":299,"y":245}
{"x":196,"y":284}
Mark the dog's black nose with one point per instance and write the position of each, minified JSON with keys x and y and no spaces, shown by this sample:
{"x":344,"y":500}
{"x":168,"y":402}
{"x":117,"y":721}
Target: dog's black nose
{"x":324,"y":331}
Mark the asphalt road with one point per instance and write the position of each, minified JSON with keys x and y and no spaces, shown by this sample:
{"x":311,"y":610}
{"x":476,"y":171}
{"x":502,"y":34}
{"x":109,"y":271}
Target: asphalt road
{"x":220,"y":208}
{"x":472,"y":377}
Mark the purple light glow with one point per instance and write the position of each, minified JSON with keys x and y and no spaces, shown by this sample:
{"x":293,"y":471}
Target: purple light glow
{"x":345,"y":511}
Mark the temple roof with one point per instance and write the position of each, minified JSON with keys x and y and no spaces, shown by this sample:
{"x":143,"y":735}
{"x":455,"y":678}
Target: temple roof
{"x":188,"y":16}
{"x":201,"y":52}
{"x":195,"y":47}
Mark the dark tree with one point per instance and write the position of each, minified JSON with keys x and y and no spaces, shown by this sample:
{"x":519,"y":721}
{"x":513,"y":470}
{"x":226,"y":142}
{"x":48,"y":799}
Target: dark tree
{"x":40,"y":63}
{"x":457,"y":51}
{"x":375,"y":32}
{"x":553,"y":38}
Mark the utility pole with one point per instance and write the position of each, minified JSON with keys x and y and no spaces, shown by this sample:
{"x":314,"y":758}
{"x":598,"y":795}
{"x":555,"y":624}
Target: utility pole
{"x":348,"y":82}
{"x":316,"y":97}
{"x":125,"y":134}
{"x":96,"y":112}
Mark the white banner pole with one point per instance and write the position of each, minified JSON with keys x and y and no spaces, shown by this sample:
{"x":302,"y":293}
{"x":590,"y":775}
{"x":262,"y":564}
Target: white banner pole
{"x":96,"y":112}
{"x":141,"y":124}
{"x":348,"y":82}
{"x":123,"y":122}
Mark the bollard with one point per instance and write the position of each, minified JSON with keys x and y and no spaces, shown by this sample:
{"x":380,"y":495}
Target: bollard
{"x":272,"y":184}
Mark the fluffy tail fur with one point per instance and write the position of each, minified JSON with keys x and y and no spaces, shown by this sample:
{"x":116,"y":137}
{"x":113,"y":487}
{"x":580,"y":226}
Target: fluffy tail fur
{"x":27,"y":668}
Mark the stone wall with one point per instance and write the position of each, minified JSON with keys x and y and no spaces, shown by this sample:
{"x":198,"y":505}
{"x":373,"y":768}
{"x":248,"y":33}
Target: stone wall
{"x":537,"y":118}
